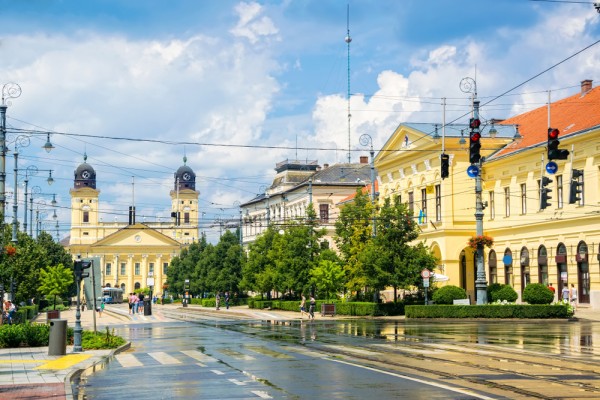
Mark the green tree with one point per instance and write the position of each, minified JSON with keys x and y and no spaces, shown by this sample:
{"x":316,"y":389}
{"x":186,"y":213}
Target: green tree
{"x":354,"y":232}
{"x":258,"y":273}
{"x":55,"y":281}
{"x":328,"y":277}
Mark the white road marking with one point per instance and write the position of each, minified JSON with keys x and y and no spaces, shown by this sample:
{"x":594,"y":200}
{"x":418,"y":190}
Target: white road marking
{"x":217,"y":372}
{"x":235,"y":381}
{"x":261,"y":394}
{"x":128,"y":360}
{"x":164,"y":358}
{"x":452,"y":389}
{"x":198,"y":355}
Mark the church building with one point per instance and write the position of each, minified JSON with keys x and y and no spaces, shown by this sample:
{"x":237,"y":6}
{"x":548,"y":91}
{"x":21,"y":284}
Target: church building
{"x":132,"y":255}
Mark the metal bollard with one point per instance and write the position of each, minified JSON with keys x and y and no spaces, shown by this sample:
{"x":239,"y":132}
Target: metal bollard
{"x":57,"y":343}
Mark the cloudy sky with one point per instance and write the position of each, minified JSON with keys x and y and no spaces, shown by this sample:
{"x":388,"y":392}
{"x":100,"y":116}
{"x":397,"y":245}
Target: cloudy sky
{"x":238,"y":86}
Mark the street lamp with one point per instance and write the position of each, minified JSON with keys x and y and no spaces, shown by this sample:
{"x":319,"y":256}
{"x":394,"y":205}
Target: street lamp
{"x":9,"y":91}
{"x":365,"y":139}
{"x":20,"y":142}
{"x":48,"y":145}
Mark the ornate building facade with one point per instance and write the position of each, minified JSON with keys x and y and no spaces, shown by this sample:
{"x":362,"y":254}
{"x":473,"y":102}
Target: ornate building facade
{"x":132,"y":255}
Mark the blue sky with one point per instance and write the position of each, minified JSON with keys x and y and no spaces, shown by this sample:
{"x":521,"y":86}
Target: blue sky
{"x":268,"y":73}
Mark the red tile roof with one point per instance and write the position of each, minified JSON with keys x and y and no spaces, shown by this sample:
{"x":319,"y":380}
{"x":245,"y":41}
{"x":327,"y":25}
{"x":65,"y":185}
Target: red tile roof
{"x":366,"y":189}
{"x":570,"y":115}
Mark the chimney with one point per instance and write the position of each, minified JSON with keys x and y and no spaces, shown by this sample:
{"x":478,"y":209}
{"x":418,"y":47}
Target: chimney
{"x":586,"y":86}
{"x":364,"y":159}
{"x":325,"y":166}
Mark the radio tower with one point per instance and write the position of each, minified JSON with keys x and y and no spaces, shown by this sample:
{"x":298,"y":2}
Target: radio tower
{"x":348,"y":40}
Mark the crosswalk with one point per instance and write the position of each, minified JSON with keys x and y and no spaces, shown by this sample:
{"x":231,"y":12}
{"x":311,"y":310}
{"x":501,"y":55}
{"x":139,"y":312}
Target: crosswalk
{"x":209,"y":365}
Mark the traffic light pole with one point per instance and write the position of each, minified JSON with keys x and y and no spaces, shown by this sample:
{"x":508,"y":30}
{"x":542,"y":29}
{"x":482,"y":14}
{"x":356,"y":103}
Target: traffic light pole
{"x":480,"y":281}
{"x":78,"y":329}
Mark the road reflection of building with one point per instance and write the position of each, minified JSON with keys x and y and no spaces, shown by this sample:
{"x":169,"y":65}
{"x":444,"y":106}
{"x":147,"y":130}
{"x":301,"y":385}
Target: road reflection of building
{"x":302,"y":332}
{"x":313,"y":331}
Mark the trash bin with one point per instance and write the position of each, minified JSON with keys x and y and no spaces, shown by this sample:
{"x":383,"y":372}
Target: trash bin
{"x":57,"y":343}
{"x":147,"y":306}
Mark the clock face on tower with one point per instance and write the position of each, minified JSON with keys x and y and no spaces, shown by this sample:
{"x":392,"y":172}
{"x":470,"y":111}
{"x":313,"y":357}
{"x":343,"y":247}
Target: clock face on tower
{"x":186,"y":176}
{"x":85,"y":174}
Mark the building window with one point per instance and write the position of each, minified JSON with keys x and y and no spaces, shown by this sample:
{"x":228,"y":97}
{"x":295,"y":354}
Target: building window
{"x":86,"y":216}
{"x":165,"y":267}
{"x":136,"y":286}
{"x":581,"y":187}
{"x":107,"y":272}
{"x":411,"y":203}
{"x":186,"y":217}
{"x":492,"y":205}
{"x":507,"y":201}
{"x":123,"y":268}
{"x":559,"y":191}
{"x":523,"y":198}
{"x":324,"y":212}
{"x":438,"y":202}
{"x":151,"y":269}
{"x":423,"y":213}
{"x":137,"y":268}
{"x":493,"y":263}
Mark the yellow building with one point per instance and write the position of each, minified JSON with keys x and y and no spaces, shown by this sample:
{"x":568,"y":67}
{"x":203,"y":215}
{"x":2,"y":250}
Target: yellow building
{"x":132,"y":252}
{"x":558,"y":244}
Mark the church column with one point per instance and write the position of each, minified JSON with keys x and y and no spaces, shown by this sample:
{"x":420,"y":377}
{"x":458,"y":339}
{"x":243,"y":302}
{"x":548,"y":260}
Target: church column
{"x":116,"y":272}
{"x":130,"y":272}
{"x":144,"y":270}
{"x":158,"y":276}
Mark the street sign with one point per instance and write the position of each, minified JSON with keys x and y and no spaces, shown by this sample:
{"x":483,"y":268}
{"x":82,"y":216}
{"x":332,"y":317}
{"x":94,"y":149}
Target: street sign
{"x":425,"y":274}
{"x":426,"y":282}
{"x":551,"y":167}
{"x":473,"y":171}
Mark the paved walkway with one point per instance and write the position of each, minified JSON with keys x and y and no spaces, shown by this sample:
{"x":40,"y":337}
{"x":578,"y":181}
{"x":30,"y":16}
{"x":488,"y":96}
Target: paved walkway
{"x":30,"y":373}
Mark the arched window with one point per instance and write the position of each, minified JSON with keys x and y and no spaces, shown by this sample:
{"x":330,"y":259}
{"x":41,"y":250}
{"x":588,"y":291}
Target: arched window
{"x":108,"y":285}
{"x":561,"y":268}
{"x":508,"y":268}
{"x":525,"y":273}
{"x":493,"y":263}
{"x":542,"y":258}
{"x":583,"y":273}
{"x":136,"y":286}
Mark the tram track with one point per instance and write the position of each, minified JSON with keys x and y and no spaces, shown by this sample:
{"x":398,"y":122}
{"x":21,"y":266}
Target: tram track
{"x":484,"y":368}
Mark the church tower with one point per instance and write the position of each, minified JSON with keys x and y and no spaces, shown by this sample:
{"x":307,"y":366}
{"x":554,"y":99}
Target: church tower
{"x":184,"y":205}
{"x":84,"y":205}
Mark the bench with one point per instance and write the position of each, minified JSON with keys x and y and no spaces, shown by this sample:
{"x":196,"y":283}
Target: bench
{"x":462,"y":302}
{"x":328,"y":309}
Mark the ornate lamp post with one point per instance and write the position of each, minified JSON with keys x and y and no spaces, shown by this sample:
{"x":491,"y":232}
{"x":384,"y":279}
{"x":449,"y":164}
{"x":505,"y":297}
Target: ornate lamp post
{"x":9,"y":91}
{"x":365,"y":139}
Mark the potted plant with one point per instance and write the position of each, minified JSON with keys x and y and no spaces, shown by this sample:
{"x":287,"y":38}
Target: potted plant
{"x":484,"y":240}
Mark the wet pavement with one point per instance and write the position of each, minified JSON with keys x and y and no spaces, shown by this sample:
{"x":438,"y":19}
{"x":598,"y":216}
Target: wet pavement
{"x":22,"y":377}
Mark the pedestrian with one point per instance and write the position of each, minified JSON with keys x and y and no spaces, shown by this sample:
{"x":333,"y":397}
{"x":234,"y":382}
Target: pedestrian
{"x":565,"y":293}
{"x":552,"y":289}
{"x":573,"y":296}
{"x":227,"y":300}
{"x":217,"y":300}
{"x":83,"y":304}
{"x":100,"y":309}
{"x":311,"y":309}
{"x":303,"y":308}
{"x":131,"y":301}
{"x":140,"y":303}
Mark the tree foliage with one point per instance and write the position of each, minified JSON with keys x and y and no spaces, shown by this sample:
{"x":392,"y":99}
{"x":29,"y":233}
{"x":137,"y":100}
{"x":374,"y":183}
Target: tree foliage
{"x":328,"y":277}
{"x":55,"y":281}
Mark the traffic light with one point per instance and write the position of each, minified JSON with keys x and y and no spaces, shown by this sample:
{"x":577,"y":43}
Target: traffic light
{"x":474,"y":123}
{"x":576,"y":186}
{"x":554,"y":153}
{"x":81,"y":266}
{"x":445,"y":165}
{"x":545,"y":193}
{"x":474,"y":147}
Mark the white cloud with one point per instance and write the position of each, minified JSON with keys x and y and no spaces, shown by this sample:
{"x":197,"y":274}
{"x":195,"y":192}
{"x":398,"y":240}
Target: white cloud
{"x":251,"y":25}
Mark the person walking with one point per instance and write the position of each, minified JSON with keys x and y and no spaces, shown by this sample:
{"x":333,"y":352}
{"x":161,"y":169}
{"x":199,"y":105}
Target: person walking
{"x":303,"y":307}
{"x":573,"y":296}
{"x":227,"y":300}
{"x":218,"y":300}
{"x":311,"y":309}
{"x":565,"y":292}
{"x":100,"y":309}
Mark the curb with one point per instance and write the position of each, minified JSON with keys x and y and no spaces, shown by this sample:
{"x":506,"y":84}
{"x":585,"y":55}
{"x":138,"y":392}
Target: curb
{"x":73,"y":375}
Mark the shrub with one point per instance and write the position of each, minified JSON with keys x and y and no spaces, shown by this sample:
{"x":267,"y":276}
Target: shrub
{"x":490,"y":311}
{"x":506,"y":292}
{"x":35,"y":335}
{"x":11,"y":335}
{"x":537,"y":293}
{"x":447,"y":294}
{"x":494,"y":287}
{"x":101,"y":340}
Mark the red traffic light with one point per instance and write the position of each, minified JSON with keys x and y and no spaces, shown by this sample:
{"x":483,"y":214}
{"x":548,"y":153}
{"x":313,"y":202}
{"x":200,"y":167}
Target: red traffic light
{"x":553,"y":133}
{"x":475,"y":136}
{"x":474,"y":123}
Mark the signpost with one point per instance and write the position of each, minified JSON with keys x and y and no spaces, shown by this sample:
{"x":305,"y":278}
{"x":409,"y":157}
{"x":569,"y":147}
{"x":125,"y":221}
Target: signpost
{"x":551,"y":167}
{"x":425,"y":274}
{"x":473,"y":171}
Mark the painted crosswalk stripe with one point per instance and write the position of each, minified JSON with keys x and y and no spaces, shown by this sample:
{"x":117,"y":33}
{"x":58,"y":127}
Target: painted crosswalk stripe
{"x":217,"y":372}
{"x":235,"y":381}
{"x":198,"y":355}
{"x":261,"y":394}
{"x":128,"y":360}
{"x":164,"y":358}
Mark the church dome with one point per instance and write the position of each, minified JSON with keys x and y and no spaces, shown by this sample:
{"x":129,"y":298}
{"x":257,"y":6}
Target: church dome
{"x":185,"y":178}
{"x":85,"y":176}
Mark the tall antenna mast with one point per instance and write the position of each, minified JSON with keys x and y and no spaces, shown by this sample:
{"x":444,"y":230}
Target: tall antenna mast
{"x":348,"y":40}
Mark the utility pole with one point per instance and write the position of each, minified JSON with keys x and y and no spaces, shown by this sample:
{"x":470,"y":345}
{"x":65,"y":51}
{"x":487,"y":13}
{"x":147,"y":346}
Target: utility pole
{"x":9,"y":91}
{"x":480,"y":281}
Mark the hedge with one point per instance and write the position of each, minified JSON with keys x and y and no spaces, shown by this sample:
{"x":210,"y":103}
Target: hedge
{"x":341,"y":307}
{"x":489,"y":311}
